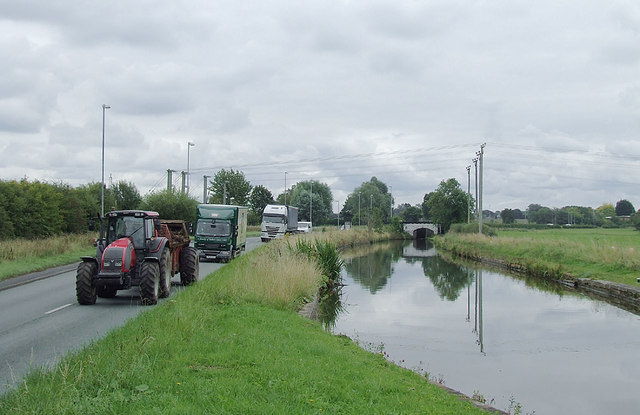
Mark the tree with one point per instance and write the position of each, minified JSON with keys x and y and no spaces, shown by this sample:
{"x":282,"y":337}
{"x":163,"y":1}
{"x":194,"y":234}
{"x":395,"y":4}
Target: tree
{"x":448,"y":204}
{"x":369,"y":201}
{"x":171,"y":205}
{"x":126,"y":196}
{"x":624,"y":208}
{"x":508,"y":216}
{"x":236,"y":186}
{"x":259,"y":198}
{"x":412,"y":214}
{"x":318,"y":208}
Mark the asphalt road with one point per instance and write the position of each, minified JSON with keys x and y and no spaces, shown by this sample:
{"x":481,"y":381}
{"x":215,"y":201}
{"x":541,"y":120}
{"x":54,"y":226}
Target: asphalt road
{"x":41,"y":320}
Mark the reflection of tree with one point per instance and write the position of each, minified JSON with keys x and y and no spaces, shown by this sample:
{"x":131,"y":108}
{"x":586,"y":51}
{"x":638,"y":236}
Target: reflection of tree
{"x":329,"y":307}
{"x":373,"y":269}
{"x":448,"y":278}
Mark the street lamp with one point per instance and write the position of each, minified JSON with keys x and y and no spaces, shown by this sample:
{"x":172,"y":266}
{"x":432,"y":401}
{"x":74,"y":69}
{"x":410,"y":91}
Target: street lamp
{"x":338,"y":207}
{"x":189,"y":145}
{"x":104,"y":108}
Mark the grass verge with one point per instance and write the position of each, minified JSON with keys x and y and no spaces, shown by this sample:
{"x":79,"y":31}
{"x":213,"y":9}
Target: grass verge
{"x":231,"y":344}
{"x":603,"y":254}
{"x":21,"y":256}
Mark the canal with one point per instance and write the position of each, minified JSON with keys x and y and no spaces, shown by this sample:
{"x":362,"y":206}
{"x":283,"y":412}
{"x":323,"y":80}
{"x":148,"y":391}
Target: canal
{"x":515,"y":342}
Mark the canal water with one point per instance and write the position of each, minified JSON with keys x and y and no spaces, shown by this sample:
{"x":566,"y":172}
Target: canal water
{"x":516,"y":342}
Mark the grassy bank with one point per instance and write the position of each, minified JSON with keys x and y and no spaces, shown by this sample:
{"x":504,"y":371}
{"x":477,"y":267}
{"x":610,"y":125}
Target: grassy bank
{"x":604,"y":254}
{"x":232,"y":343}
{"x":21,"y":256}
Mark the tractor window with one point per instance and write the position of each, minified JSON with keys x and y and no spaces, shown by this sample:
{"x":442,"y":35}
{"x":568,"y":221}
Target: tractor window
{"x":126,"y":226}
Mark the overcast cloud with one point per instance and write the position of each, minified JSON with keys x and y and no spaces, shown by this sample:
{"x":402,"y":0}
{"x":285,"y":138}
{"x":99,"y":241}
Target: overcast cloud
{"x":335,"y":91}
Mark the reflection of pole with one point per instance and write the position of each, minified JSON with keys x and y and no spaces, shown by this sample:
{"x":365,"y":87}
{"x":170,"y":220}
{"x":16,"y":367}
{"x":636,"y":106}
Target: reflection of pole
{"x":469,"y":302}
{"x":475,"y":318}
{"x":480,"y":333}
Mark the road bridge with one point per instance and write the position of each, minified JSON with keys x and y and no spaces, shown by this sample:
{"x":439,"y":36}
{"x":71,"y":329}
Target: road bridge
{"x":421,"y":230}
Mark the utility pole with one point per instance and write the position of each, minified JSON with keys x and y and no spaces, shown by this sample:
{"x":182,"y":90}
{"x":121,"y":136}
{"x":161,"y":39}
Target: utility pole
{"x":170,"y":179}
{"x":468,"y":193}
{"x":475,"y":166}
{"x":204,"y":190}
{"x":311,"y":203}
{"x":224,"y":193}
{"x":285,"y":188}
{"x":481,"y":155}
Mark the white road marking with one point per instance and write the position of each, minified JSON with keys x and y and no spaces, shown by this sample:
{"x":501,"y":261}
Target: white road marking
{"x":57,"y":309}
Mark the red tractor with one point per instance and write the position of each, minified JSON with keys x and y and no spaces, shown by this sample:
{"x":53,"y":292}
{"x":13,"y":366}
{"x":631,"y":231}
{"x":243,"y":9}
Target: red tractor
{"x":136,"y":248}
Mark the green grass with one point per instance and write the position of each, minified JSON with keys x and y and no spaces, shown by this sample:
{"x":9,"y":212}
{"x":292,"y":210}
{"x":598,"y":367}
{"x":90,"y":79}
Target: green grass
{"x":21,"y":256}
{"x":231,"y":344}
{"x":605,"y":254}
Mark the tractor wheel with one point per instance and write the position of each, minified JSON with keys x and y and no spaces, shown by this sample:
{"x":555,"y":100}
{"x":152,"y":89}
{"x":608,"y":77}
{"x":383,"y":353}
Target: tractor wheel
{"x":165,"y":274}
{"x":149,"y":282}
{"x":85,"y":291}
{"x":106,"y":292}
{"x":189,"y":265}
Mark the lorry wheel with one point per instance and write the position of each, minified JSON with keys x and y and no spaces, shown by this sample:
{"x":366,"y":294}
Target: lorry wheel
{"x":149,"y":282}
{"x":189,"y":265}
{"x":85,"y":291}
{"x":165,"y":274}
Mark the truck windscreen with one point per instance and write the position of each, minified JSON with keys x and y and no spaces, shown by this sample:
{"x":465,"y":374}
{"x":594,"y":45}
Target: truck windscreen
{"x":207,"y":228}
{"x":273,"y":219}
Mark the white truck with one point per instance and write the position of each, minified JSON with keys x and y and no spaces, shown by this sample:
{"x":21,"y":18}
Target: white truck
{"x":277,"y":221}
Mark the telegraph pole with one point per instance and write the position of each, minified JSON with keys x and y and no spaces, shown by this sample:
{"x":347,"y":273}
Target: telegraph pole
{"x":204,"y":190}
{"x":468,"y":193}
{"x":475,"y":166}
{"x":481,"y":155}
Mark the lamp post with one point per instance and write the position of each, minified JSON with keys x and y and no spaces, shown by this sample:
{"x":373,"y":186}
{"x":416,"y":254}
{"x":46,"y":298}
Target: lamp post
{"x":285,"y":188}
{"x":189,"y":145}
{"x":338,"y":207}
{"x":104,"y":108}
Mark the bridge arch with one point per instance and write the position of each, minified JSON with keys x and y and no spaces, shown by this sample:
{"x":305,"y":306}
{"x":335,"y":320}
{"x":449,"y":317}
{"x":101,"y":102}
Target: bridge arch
{"x":421,"y":230}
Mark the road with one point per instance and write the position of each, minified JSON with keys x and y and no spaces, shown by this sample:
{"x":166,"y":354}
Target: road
{"x":41,"y":321}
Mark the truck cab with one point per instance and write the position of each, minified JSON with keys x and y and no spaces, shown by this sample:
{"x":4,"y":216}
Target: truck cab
{"x":220,"y":231}
{"x":277,"y":221}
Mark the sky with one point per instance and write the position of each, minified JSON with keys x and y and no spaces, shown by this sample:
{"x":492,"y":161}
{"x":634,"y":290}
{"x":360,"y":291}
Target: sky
{"x":333,"y":91}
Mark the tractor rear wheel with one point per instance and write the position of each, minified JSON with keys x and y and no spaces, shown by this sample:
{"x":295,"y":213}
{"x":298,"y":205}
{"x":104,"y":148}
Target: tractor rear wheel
{"x":189,"y":265}
{"x":85,"y":290}
{"x":165,"y":274}
{"x":149,"y":282}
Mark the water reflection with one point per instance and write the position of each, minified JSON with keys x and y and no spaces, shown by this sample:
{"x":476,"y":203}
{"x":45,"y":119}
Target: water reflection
{"x":555,"y":351}
{"x":374,"y":265}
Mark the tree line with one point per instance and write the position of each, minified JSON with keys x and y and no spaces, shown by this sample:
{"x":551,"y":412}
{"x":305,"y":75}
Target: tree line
{"x":38,"y":209}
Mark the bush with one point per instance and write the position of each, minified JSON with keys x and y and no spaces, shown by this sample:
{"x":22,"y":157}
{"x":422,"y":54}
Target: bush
{"x":472,"y":228}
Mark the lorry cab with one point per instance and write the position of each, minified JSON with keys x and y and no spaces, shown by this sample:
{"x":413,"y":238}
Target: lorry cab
{"x":220,"y":231}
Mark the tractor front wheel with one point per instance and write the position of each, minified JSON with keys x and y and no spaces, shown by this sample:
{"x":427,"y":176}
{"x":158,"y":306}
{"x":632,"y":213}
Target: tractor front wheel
{"x":149,"y":282}
{"x":85,"y":290}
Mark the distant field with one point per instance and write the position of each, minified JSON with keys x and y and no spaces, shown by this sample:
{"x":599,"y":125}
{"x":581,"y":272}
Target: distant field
{"x":607,"y":254}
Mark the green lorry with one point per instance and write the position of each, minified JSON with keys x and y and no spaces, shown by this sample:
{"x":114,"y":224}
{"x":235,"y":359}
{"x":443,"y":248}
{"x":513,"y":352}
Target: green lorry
{"x":220,"y":231}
